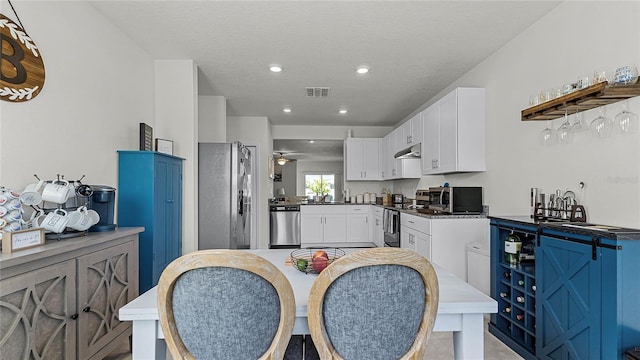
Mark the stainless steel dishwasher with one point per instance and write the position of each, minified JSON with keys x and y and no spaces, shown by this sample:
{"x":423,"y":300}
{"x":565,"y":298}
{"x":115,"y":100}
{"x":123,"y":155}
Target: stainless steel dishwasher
{"x":285,"y":226}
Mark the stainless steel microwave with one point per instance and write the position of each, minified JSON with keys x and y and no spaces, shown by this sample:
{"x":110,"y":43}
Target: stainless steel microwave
{"x":456,"y":200}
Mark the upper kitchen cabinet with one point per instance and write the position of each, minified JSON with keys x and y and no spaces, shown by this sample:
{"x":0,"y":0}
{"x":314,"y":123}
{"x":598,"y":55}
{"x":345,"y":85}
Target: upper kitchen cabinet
{"x":410,"y":133}
{"x":362,"y":160}
{"x":397,"y":168}
{"x":454,"y":133}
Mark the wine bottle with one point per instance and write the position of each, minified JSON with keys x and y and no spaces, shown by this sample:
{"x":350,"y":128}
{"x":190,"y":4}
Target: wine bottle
{"x":507,"y":310}
{"x":520,"y":317}
{"x":504,"y":294}
{"x":520,"y":299}
{"x":521,"y":282}
{"x":506,"y":274}
{"x":512,"y":245}
{"x":533,"y":287}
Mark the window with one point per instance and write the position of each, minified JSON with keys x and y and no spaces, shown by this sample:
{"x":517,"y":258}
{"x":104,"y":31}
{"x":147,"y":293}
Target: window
{"x":320,"y":184}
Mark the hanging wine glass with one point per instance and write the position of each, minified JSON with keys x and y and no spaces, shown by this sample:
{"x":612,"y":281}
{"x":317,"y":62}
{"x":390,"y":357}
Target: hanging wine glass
{"x":601,"y":126}
{"x":625,"y":122}
{"x":548,"y":136}
{"x":577,"y":126}
{"x":565,"y":131}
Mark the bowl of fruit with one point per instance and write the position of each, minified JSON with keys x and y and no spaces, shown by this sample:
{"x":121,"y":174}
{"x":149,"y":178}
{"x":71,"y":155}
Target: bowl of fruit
{"x":313,"y":261}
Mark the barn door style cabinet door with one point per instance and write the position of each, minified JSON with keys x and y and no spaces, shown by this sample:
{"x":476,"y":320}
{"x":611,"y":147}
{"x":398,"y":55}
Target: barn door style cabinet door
{"x":150,"y":195}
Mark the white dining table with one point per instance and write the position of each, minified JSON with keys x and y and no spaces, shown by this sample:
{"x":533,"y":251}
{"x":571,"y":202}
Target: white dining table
{"x":461,"y":310}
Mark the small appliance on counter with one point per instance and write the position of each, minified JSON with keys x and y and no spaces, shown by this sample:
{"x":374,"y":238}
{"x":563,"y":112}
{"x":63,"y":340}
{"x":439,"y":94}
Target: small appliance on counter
{"x":397,"y":201}
{"x":456,"y":200}
{"x":103,"y":201}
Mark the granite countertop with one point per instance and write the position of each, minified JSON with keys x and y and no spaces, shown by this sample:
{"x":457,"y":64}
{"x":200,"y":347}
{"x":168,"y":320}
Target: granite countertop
{"x":579,"y":228}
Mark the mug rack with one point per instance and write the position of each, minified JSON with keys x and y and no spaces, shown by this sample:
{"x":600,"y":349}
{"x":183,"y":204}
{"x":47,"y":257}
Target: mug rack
{"x":78,"y":199}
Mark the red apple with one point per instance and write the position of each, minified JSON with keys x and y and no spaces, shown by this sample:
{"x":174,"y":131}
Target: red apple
{"x":319,"y":263}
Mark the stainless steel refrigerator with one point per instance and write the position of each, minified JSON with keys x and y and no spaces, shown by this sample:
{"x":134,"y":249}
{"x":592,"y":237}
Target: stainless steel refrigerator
{"x":224,"y":196}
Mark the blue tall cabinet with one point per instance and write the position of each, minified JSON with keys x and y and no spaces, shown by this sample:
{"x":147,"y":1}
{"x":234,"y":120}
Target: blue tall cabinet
{"x":150,"y":195}
{"x":578,"y":300}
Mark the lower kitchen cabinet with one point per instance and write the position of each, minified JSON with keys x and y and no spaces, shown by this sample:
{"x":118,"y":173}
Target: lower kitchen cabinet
{"x":576,"y":301}
{"x":61,"y":300}
{"x":322,"y":225}
{"x":358,"y":224}
{"x":377,"y":231}
{"x":443,"y":240}
{"x":335,"y":226}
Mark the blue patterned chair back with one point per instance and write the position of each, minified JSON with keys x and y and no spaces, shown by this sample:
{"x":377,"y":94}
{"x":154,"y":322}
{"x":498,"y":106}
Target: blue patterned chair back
{"x":215,"y":308}
{"x":374,"y":304}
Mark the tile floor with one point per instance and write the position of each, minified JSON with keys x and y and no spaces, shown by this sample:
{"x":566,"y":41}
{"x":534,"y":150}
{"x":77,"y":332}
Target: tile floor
{"x":440,"y":347}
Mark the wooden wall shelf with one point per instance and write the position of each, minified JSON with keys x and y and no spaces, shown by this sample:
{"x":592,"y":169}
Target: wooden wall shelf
{"x":594,"y":96}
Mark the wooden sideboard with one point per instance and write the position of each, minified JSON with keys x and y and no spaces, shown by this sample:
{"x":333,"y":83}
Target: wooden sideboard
{"x":61,"y":300}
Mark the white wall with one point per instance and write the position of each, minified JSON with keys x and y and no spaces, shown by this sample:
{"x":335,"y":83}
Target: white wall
{"x":99,"y":86}
{"x":256,"y":130}
{"x":176,"y":104}
{"x":571,"y":41}
{"x":212,"y":119}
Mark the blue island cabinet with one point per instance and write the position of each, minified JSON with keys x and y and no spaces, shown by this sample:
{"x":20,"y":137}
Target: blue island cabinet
{"x":150,"y":195}
{"x":578,"y":300}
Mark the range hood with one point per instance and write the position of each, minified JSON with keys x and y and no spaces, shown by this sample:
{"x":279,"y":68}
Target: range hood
{"x":409,"y":153}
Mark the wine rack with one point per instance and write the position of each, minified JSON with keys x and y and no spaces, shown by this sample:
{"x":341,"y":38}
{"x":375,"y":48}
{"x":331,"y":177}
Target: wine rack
{"x":513,"y":287}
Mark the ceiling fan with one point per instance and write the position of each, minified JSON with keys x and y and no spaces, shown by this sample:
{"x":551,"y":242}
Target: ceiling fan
{"x":281,"y":160}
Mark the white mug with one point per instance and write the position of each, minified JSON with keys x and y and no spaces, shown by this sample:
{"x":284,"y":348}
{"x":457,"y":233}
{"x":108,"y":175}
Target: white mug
{"x":31,"y":222}
{"x":31,"y":194}
{"x":57,"y":192}
{"x":55,"y":221}
{"x":3,"y":223}
{"x":3,"y":211}
{"x":94,"y":216}
{"x":80,"y":219}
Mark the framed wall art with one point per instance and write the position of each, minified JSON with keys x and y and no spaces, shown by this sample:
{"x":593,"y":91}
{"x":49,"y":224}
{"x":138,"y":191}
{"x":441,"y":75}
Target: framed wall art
{"x":164,"y":146}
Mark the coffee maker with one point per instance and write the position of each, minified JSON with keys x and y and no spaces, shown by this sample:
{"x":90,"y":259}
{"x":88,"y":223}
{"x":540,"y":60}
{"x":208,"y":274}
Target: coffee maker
{"x":398,"y":201}
{"x":103,"y":201}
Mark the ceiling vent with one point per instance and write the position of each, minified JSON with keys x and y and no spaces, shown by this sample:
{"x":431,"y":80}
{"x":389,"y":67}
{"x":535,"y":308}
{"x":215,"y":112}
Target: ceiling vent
{"x":317,"y":92}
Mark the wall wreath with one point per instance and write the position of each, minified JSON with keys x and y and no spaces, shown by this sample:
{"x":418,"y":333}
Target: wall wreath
{"x":22,"y":67}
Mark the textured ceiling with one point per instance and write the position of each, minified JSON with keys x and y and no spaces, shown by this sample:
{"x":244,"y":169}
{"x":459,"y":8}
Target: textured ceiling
{"x":414,"y":49}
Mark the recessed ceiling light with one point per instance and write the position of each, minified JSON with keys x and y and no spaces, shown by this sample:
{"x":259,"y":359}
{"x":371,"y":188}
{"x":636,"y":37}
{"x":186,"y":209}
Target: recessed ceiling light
{"x":311,"y":141}
{"x":275,"y":68}
{"x":343,"y":111}
{"x":287,"y":110}
{"x":362,"y":69}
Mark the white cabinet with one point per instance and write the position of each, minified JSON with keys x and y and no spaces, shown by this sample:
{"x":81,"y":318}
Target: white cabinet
{"x":362,"y":160}
{"x":443,"y":240}
{"x":410,"y":133}
{"x":377,"y":231}
{"x":454,"y":133}
{"x":358,"y":224}
{"x":320,"y":224}
{"x":398,"y":168}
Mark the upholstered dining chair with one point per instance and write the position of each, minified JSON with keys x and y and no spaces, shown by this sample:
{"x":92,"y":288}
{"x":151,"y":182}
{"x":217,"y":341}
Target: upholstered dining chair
{"x":377,"y":303}
{"x":225,"y":304}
